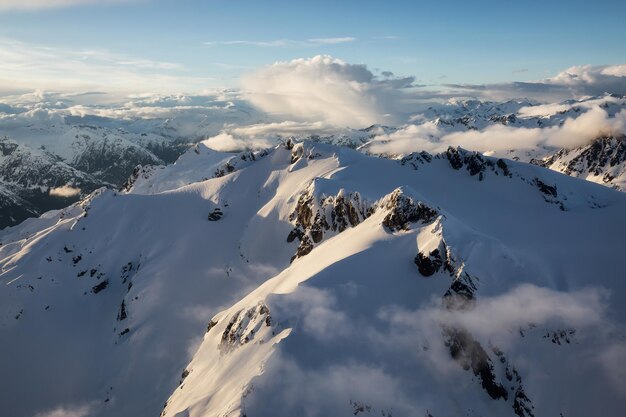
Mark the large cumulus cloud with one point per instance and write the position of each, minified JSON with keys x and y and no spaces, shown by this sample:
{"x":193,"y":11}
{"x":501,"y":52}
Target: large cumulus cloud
{"x":324,"y":88}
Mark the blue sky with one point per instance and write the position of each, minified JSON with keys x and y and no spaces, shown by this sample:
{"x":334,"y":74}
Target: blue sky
{"x":437,"y":42}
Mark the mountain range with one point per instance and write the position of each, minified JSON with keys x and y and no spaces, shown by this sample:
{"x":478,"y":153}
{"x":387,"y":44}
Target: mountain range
{"x":313,"y":279}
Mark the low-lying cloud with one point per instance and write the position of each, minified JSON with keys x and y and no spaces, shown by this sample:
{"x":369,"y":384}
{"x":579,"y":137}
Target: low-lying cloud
{"x":69,"y":410}
{"x":498,"y":138}
{"x":64,"y":191}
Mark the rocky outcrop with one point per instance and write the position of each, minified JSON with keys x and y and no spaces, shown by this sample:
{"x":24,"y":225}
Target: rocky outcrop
{"x":475,"y":163}
{"x":602,"y":161}
{"x":139,"y":171}
{"x":315,"y":217}
{"x":237,"y":162}
{"x":403,"y":210}
{"x":244,"y":326}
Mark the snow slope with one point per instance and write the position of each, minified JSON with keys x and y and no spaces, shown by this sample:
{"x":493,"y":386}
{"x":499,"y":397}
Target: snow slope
{"x":314,"y":280}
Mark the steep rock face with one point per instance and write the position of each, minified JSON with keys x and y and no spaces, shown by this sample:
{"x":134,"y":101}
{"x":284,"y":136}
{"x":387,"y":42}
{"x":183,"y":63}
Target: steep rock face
{"x":315,"y":217}
{"x":602,"y":161}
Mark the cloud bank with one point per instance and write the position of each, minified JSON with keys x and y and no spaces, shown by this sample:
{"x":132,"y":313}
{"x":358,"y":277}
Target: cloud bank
{"x":498,"y":138}
{"x":326,"y":89}
{"x":574,"y":82}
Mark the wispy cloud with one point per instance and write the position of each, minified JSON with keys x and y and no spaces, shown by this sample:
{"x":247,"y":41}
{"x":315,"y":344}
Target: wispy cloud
{"x":27,"y":66}
{"x":48,"y":4}
{"x":282,"y":43}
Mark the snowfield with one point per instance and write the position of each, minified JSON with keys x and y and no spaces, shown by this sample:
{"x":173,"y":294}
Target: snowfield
{"x":312,"y":279}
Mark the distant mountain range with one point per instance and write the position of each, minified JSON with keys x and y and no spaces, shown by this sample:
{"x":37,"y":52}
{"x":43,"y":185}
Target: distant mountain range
{"x":49,"y":162}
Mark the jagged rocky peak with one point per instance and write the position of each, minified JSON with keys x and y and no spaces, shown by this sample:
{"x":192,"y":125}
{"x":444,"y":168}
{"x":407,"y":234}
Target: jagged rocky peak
{"x":7,"y":146}
{"x":239,"y":161}
{"x":138,"y":172}
{"x":475,"y":162}
{"x":301,"y":150}
{"x":316,"y":215}
{"x":404,"y":210}
{"x":602,"y":161}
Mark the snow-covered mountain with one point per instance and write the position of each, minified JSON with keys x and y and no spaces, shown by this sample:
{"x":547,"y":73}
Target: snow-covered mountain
{"x":603,"y":161}
{"x":310,"y":279}
{"x":50,"y":142}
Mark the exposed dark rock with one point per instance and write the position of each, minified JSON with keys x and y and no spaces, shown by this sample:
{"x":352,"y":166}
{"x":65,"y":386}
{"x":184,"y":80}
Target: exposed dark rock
{"x":522,"y":406}
{"x":122,"y":315}
{"x":296,"y":233}
{"x":359,"y":407}
{"x":428,"y":265}
{"x":504,"y":167}
{"x":600,"y":158}
{"x":313,"y":219}
{"x":461,"y":292}
{"x":469,"y":353}
{"x":560,"y":336}
{"x":305,"y":247}
{"x":215,"y":215}
{"x":99,"y":287}
{"x":403,"y":211}
{"x":416,"y":159}
{"x":211,"y":325}
{"x":243,"y":326}
{"x":549,"y":190}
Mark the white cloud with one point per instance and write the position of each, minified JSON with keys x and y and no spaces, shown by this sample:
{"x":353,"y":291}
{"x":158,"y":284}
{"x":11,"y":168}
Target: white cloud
{"x":612,"y":360}
{"x":326,"y":89}
{"x":27,"y":67}
{"x":47,"y":4}
{"x":64,"y":191}
{"x":68,"y":411}
{"x":332,"y":41}
{"x":494,"y":320}
{"x":301,"y":390}
{"x":574,"y":132}
{"x":264,"y":135}
{"x":281,"y":43}
{"x":225,"y":142}
{"x":317,"y":313}
{"x":574,"y":82}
